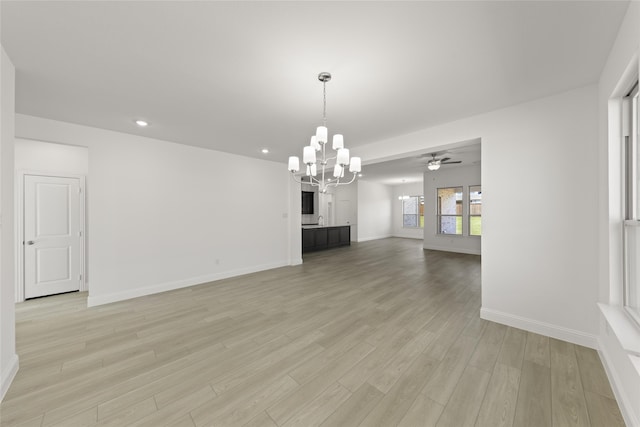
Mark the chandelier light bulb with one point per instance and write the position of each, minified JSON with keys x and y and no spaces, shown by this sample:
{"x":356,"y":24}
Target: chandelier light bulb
{"x":314,"y":143}
{"x":343,"y":156}
{"x":294,"y":164}
{"x":308,"y":155}
{"x":338,"y":141}
{"x":321,"y":134}
{"x":355,"y":165}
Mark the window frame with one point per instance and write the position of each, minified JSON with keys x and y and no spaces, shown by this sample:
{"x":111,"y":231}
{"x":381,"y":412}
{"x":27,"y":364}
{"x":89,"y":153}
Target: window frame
{"x":439,"y":215}
{"x":479,"y":186}
{"x":631,"y":153}
{"x":419,"y":215}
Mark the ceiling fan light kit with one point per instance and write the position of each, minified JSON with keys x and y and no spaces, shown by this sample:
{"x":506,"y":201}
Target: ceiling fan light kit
{"x":434,"y":164}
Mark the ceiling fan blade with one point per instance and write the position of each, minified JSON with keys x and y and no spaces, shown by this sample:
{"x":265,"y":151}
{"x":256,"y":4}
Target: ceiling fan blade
{"x":444,"y":159}
{"x":450,"y":163}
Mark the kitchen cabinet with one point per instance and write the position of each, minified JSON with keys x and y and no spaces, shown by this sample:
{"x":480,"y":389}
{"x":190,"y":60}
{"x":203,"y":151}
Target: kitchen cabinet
{"x":317,"y":238}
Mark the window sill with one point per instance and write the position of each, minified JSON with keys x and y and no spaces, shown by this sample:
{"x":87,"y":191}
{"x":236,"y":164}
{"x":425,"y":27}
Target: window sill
{"x":625,"y":330}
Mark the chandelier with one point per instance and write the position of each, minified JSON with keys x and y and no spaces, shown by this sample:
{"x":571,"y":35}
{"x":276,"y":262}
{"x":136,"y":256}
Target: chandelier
{"x":316,"y":165}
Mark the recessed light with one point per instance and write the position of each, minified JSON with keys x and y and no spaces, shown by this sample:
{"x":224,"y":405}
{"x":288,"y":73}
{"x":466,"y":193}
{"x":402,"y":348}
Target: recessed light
{"x":265,"y":151}
{"x":142,"y":123}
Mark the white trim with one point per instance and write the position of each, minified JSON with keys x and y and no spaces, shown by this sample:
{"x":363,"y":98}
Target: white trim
{"x":624,"y":402}
{"x":450,"y":249}
{"x":542,"y":328}
{"x":366,"y":239}
{"x":19,"y":224}
{"x":8,"y":375}
{"x":177,"y":284}
{"x":623,"y":327}
{"x":408,"y":237}
{"x":296,"y":261}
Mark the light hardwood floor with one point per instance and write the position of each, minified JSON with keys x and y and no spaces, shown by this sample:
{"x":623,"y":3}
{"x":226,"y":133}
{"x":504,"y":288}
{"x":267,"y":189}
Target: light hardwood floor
{"x":380,"y":333}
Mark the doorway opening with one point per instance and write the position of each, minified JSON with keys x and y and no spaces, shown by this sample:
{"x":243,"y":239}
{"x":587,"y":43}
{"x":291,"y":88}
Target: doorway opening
{"x":51,"y":218}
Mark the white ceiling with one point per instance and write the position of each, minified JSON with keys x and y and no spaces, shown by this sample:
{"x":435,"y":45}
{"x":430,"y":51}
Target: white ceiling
{"x":407,"y":170}
{"x":240,"y":76}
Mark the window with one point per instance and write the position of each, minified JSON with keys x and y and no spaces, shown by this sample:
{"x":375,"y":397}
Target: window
{"x":412,"y":211}
{"x":449,"y":211}
{"x":632,"y":206}
{"x":475,"y":210}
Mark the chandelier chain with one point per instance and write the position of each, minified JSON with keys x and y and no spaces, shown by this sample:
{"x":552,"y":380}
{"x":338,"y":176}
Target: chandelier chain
{"x":324,"y":99}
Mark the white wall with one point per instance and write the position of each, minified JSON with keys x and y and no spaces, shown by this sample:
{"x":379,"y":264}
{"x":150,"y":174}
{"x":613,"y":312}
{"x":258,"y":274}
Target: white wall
{"x":164,"y":215}
{"x":409,"y":189}
{"x":8,"y":357}
{"x":346,"y":200}
{"x":621,"y":68}
{"x":538,"y":264}
{"x":374,"y":211}
{"x":39,"y":156}
{"x":462,"y":176}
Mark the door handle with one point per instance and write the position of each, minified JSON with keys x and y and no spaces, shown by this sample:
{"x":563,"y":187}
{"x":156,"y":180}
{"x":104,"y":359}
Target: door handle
{"x":30,"y":242}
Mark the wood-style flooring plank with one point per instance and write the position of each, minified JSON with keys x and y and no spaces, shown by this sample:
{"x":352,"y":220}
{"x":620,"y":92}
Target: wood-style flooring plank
{"x":317,"y":410}
{"x":395,"y":404}
{"x":352,"y":411}
{"x":468,"y":394}
{"x":423,"y":412}
{"x":569,"y":407}
{"x":592,"y":373}
{"x":537,"y":349}
{"x":486,"y":353}
{"x":513,"y":346}
{"x":603,"y":411}
{"x":293,"y":402}
{"x":499,"y":404}
{"x":444,"y":380}
{"x":534,"y":396}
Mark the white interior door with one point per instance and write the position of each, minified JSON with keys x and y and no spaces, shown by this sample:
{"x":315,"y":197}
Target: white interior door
{"x":51,"y":235}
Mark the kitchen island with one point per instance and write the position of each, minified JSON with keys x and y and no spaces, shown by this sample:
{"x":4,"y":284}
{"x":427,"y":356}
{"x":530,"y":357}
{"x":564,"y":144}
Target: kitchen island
{"x":318,"y":237}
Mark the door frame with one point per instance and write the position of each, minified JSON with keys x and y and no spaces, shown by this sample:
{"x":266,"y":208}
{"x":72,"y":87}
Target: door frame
{"x":19,"y":229}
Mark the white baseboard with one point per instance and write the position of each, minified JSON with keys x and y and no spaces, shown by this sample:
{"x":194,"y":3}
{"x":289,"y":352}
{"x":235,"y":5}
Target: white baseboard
{"x":450,"y":249}
{"x":366,"y":239}
{"x":624,"y":402}
{"x":177,"y":284}
{"x":408,"y":237}
{"x":542,"y":328}
{"x":8,"y":375}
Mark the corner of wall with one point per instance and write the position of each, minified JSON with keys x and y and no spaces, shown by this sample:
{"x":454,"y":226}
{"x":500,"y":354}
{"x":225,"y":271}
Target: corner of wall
{"x":8,"y":374}
{"x":542,"y":328}
{"x":613,"y":362}
{"x":8,"y":357}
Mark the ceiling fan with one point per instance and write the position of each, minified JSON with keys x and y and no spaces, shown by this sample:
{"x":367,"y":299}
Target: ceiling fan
{"x":434,"y":163}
